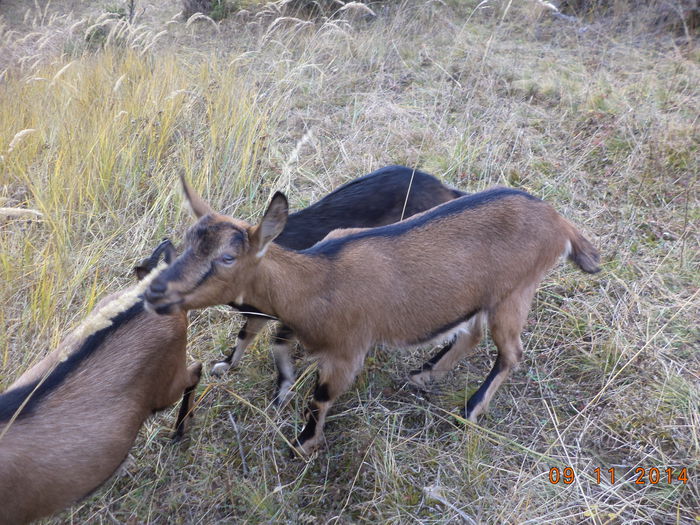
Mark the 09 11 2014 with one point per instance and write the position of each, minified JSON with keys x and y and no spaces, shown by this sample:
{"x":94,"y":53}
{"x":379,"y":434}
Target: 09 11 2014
{"x":639,"y":476}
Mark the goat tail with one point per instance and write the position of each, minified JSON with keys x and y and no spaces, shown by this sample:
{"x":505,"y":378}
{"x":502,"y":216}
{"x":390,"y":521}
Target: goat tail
{"x":582,"y":253}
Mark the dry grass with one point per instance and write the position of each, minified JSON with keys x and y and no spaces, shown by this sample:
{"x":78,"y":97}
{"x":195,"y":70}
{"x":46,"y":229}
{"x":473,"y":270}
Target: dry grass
{"x":603,"y":127}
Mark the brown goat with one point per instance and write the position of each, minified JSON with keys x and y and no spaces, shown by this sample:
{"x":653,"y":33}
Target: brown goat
{"x":386,"y":195}
{"x":68,"y":422}
{"x":447,"y":271}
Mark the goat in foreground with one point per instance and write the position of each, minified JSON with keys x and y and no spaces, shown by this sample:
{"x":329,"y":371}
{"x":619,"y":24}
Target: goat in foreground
{"x":68,"y":422}
{"x":448,"y":271}
{"x":382,"y":197}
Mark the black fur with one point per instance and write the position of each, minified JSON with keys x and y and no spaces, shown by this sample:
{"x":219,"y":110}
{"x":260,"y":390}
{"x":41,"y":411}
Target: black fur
{"x":332,"y":247}
{"x":372,"y":200}
{"x":280,"y":379}
{"x":310,"y":427}
{"x":478,"y":396}
{"x":441,"y":353}
{"x":321,"y":393}
{"x":11,"y":400}
{"x":146,"y":266}
{"x":283,"y":335}
{"x":428,"y":365}
{"x":182,"y":414}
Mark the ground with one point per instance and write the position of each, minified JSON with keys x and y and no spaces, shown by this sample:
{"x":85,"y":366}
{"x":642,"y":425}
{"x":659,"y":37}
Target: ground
{"x":598,"y":118}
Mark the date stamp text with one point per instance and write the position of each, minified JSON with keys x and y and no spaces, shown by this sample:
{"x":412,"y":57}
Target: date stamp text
{"x":639,"y":476}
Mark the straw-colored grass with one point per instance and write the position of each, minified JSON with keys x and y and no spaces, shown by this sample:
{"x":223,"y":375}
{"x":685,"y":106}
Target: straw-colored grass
{"x":96,"y":124}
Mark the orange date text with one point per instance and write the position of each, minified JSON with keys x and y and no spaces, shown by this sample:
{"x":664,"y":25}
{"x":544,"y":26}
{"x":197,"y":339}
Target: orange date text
{"x":639,"y":476}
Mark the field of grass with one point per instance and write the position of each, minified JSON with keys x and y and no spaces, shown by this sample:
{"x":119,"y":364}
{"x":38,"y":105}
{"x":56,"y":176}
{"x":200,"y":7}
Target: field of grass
{"x":98,"y":118}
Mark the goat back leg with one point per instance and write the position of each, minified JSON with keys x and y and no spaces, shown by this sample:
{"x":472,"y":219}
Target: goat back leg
{"x":446,"y":359}
{"x":193,"y":374}
{"x":506,"y":322}
{"x":335,"y":375}
{"x":251,"y":328}
{"x":282,"y":354}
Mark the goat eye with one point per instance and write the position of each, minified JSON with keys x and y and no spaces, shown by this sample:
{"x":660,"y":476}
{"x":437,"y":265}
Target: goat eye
{"x":227,"y":259}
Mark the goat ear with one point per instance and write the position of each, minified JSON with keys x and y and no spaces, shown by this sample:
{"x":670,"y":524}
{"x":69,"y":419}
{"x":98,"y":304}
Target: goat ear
{"x":147,"y":265}
{"x":272,"y":224}
{"x":198,"y":206}
{"x":142,"y":270}
{"x":169,"y":253}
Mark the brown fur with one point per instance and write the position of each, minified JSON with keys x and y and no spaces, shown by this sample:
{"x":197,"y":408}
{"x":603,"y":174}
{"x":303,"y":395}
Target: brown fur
{"x":397,"y":289}
{"x":81,"y":432}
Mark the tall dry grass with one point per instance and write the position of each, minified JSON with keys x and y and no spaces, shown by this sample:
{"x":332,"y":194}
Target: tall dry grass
{"x":602,"y":127}
{"x":94,"y":146}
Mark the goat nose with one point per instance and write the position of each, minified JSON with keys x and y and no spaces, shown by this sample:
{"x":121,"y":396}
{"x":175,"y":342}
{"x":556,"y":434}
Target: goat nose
{"x":157,"y":288}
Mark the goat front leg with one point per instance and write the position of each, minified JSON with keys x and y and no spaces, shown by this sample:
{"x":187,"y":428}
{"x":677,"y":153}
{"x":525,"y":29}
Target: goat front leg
{"x":282,"y":353}
{"x":193,"y":374}
{"x":251,"y":328}
{"x":335,"y":375}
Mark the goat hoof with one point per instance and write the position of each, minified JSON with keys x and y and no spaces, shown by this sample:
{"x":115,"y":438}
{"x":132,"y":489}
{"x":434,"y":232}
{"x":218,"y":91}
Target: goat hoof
{"x":306,"y":449}
{"x":219,"y":368}
{"x":470,"y":415}
{"x":419,"y":379}
{"x":419,"y":388}
{"x":420,"y":383}
{"x":180,"y":438}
